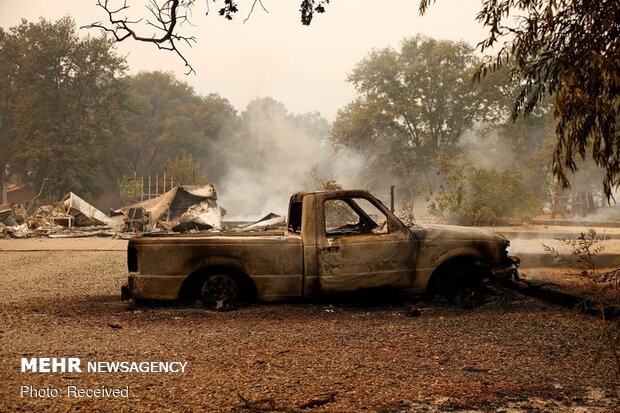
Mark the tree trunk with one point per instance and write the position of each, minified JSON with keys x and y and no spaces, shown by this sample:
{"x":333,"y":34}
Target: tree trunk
{"x":3,"y":186}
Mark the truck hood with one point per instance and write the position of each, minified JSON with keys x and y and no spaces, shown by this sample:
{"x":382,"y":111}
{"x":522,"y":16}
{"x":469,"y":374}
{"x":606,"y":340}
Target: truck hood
{"x":455,"y":232}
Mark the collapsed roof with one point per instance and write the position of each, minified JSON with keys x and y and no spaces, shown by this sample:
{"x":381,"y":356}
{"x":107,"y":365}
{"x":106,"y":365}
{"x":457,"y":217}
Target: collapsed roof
{"x":181,"y":205}
{"x":84,"y":213}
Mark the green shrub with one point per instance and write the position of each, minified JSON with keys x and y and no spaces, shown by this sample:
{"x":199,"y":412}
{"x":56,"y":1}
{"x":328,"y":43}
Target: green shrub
{"x":130,"y":189}
{"x":473,"y":196}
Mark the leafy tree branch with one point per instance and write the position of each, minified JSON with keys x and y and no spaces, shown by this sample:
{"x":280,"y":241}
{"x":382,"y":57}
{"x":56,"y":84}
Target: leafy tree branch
{"x":570,"y":50}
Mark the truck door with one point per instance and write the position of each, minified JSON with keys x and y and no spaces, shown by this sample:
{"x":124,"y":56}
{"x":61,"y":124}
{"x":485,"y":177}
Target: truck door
{"x":361,"y":245}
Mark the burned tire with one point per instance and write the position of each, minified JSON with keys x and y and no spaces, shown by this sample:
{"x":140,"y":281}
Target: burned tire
{"x":465,"y":288}
{"x":219,"y":292}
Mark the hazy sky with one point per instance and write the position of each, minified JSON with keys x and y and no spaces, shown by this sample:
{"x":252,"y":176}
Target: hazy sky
{"x":273,"y":54}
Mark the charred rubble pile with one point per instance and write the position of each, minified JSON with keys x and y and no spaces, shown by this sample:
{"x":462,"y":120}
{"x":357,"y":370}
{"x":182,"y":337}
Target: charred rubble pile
{"x":182,"y":209}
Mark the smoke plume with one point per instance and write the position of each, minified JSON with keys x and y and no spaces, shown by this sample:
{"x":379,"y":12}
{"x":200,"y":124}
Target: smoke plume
{"x":276,"y":154}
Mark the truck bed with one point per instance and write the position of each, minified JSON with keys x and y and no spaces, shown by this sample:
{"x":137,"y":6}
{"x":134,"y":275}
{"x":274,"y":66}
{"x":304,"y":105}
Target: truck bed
{"x":276,"y":232}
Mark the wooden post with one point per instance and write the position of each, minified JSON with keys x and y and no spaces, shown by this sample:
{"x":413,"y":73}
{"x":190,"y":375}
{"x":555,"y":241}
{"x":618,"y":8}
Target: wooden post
{"x":157,"y":184}
{"x":164,"y":182}
{"x":392,"y":198}
{"x":149,"y":194}
{"x":142,"y":188}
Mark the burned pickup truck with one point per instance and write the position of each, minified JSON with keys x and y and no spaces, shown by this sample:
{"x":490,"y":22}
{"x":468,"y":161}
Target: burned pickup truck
{"x":332,"y":242}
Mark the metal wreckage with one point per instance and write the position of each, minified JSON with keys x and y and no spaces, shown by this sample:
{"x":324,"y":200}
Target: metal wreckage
{"x":333,"y":242}
{"x":181,"y":209}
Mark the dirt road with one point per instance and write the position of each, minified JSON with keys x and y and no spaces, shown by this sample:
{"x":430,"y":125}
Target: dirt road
{"x":512,"y":354}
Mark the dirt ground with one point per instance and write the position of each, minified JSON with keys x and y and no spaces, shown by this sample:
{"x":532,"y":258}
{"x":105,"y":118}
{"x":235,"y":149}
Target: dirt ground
{"x":513,"y":354}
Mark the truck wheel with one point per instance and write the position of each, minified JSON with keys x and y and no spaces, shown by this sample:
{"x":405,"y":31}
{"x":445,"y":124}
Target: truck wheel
{"x":219,"y":292}
{"x":465,"y":288}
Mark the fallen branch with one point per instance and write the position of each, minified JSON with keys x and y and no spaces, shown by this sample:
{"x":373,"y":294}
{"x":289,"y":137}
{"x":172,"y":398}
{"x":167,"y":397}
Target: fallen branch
{"x":268,"y":404}
{"x":319,"y":401}
{"x":265,"y":404}
{"x":564,"y":298}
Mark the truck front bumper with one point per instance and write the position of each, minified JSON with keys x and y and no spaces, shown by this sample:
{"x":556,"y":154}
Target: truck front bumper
{"x":152,"y":287}
{"x":507,"y":269}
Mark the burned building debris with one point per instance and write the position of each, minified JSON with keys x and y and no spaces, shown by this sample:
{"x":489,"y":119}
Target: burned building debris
{"x":181,"y":209}
{"x":6,"y":216}
{"x":84,"y":214}
{"x":268,"y":220}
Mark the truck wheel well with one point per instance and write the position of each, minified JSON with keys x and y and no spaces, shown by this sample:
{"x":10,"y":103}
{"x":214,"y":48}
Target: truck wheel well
{"x":190,"y":290}
{"x":443,"y":272}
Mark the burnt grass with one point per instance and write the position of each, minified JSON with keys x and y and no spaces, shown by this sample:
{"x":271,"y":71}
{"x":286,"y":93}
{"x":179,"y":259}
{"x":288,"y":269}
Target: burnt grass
{"x":378,"y":353}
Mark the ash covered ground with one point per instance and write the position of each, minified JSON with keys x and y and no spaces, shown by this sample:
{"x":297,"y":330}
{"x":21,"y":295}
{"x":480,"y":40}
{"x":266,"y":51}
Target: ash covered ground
{"x":515,"y":353}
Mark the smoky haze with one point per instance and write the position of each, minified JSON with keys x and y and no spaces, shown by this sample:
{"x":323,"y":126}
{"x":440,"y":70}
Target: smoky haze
{"x":275,"y":154}
{"x":488,"y":150}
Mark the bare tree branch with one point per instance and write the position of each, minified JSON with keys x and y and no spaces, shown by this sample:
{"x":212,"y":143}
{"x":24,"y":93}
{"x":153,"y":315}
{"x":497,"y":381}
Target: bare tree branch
{"x":252,"y":9}
{"x":166,"y":17}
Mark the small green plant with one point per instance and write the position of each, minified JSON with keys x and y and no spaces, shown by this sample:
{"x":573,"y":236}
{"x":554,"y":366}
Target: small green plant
{"x":129,"y":189}
{"x":185,"y":170}
{"x":585,"y":248}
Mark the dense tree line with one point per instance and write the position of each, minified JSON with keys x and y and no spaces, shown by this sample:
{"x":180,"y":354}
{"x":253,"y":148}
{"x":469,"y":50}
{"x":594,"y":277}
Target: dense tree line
{"x":62,"y":106}
{"x":419,"y":116}
{"x":73,"y":120}
{"x":566,"y":49}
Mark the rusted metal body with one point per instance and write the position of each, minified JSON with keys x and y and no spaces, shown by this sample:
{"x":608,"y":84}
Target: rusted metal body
{"x":309,"y":257}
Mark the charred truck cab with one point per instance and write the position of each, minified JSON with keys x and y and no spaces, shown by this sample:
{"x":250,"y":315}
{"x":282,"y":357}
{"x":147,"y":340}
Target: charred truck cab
{"x":334,"y":241}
